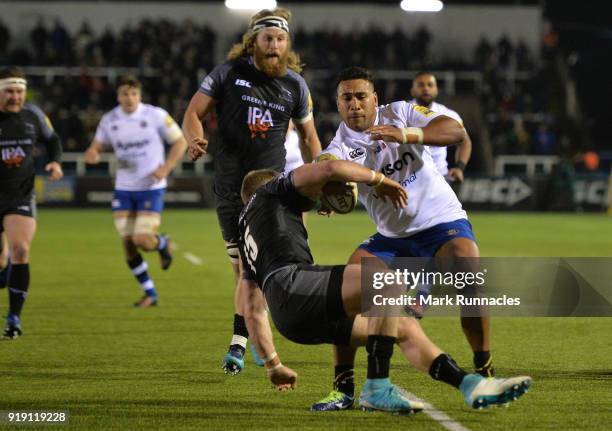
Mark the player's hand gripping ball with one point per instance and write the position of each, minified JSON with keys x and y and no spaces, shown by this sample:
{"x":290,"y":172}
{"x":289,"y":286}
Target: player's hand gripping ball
{"x":339,"y":197}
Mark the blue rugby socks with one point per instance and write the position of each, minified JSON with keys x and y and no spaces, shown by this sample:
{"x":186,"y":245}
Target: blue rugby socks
{"x":140,"y":270}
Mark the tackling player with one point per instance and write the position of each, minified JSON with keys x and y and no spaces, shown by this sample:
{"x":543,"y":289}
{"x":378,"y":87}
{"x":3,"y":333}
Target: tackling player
{"x":424,"y":92}
{"x":136,"y":132}
{"x":312,"y":304}
{"x":22,"y":126}
{"x":255,"y":93}
{"x":293,"y":160}
{"x":392,"y":139}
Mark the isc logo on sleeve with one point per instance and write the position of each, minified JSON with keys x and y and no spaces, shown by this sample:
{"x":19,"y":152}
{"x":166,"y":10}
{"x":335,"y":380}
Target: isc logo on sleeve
{"x":242,"y":83}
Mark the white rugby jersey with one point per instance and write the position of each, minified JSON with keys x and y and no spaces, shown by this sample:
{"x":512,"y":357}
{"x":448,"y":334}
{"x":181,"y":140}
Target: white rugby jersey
{"x":293,"y":159}
{"x":439,"y":154}
{"x":138,"y":142}
{"x":431,"y":200}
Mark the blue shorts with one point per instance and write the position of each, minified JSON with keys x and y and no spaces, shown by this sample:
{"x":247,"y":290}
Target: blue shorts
{"x":422,"y":244}
{"x":146,"y":200}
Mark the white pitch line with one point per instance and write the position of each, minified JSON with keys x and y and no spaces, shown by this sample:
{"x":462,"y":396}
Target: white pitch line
{"x":192,"y":258}
{"x":442,"y":418}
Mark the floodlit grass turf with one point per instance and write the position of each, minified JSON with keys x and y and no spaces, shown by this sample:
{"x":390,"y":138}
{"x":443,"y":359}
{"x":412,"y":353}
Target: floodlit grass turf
{"x":88,"y":351}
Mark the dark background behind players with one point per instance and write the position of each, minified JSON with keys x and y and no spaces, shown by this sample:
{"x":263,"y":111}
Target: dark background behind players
{"x":522,"y":100}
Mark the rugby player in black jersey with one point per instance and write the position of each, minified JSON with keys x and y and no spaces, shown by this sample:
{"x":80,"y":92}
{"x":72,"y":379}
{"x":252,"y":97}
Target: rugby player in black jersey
{"x":313,"y":304}
{"x":255,"y":94}
{"x":22,"y":126}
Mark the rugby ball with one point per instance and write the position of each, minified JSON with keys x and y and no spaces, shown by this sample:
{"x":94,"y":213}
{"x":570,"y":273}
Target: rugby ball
{"x":339,"y":197}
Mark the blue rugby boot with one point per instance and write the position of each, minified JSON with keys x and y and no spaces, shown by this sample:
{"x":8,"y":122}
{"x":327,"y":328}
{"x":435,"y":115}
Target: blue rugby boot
{"x":233,"y":361}
{"x":12,"y":330}
{"x":480,"y":392}
{"x":381,"y":395}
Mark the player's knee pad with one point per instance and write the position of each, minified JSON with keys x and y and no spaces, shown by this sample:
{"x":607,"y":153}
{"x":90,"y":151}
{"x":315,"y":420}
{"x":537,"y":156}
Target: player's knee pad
{"x":124,"y":225}
{"x":147,"y":224}
{"x":232,"y":252}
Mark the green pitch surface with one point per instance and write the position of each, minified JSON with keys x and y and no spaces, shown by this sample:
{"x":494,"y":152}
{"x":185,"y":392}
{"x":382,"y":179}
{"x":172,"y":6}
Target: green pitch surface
{"x":87,"y":351}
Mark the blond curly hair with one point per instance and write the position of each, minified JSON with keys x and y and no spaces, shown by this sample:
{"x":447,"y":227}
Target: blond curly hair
{"x":248,"y":40}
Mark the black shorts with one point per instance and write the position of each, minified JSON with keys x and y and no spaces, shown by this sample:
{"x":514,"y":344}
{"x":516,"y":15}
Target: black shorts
{"x":230,"y":170}
{"x":25,"y":206}
{"x":305,"y":302}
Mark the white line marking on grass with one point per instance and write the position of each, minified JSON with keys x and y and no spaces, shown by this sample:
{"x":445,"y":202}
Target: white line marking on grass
{"x":192,"y":258}
{"x":442,"y":418}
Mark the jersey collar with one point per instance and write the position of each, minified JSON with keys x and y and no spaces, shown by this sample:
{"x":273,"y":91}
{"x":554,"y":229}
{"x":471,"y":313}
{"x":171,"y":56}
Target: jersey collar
{"x":136,"y":113}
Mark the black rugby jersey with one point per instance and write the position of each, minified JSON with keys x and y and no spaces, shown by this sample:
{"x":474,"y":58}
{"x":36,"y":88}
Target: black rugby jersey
{"x":19,"y":133}
{"x":272,"y":234}
{"x":254,"y":109}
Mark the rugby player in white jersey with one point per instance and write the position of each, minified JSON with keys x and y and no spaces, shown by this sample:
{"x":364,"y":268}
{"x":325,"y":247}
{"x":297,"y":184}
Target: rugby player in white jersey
{"x":315,"y":304}
{"x":136,"y":133}
{"x":394,"y":139}
{"x":424,"y":91}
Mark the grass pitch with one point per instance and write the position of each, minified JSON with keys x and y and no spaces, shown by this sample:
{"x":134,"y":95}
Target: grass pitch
{"x":86,"y":350}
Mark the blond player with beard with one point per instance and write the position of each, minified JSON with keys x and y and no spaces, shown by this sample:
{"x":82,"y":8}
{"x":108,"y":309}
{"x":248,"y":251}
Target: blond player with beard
{"x":256,"y":92}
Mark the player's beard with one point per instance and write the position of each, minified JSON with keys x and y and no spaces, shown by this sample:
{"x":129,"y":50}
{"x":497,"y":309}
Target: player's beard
{"x":11,"y":108}
{"x":271,"y":66}
{"x":425,"y":101}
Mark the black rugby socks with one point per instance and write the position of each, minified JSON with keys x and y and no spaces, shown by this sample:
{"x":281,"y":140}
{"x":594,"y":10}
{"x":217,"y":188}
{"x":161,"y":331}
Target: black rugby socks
{"x":445,"y":369}
{"x":18,"y":284}
{"x":380,"y":349}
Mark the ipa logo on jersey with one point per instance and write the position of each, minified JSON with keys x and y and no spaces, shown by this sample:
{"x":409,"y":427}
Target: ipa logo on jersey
{"x":12,"y":156}
{"x":259,"y":121}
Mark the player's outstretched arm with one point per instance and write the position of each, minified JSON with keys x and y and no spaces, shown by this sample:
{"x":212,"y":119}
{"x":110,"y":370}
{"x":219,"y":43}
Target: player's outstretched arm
{"x":200,"y":105}
{"x":258,"y":325}
{"x":442,"y":131}
{"x":310,"y":145}
{"x":310,"y":179}
{"x":92,"y":154}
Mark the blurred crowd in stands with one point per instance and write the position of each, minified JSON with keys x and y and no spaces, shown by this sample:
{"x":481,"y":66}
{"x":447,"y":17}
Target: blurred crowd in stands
{"x":521,"y":92}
